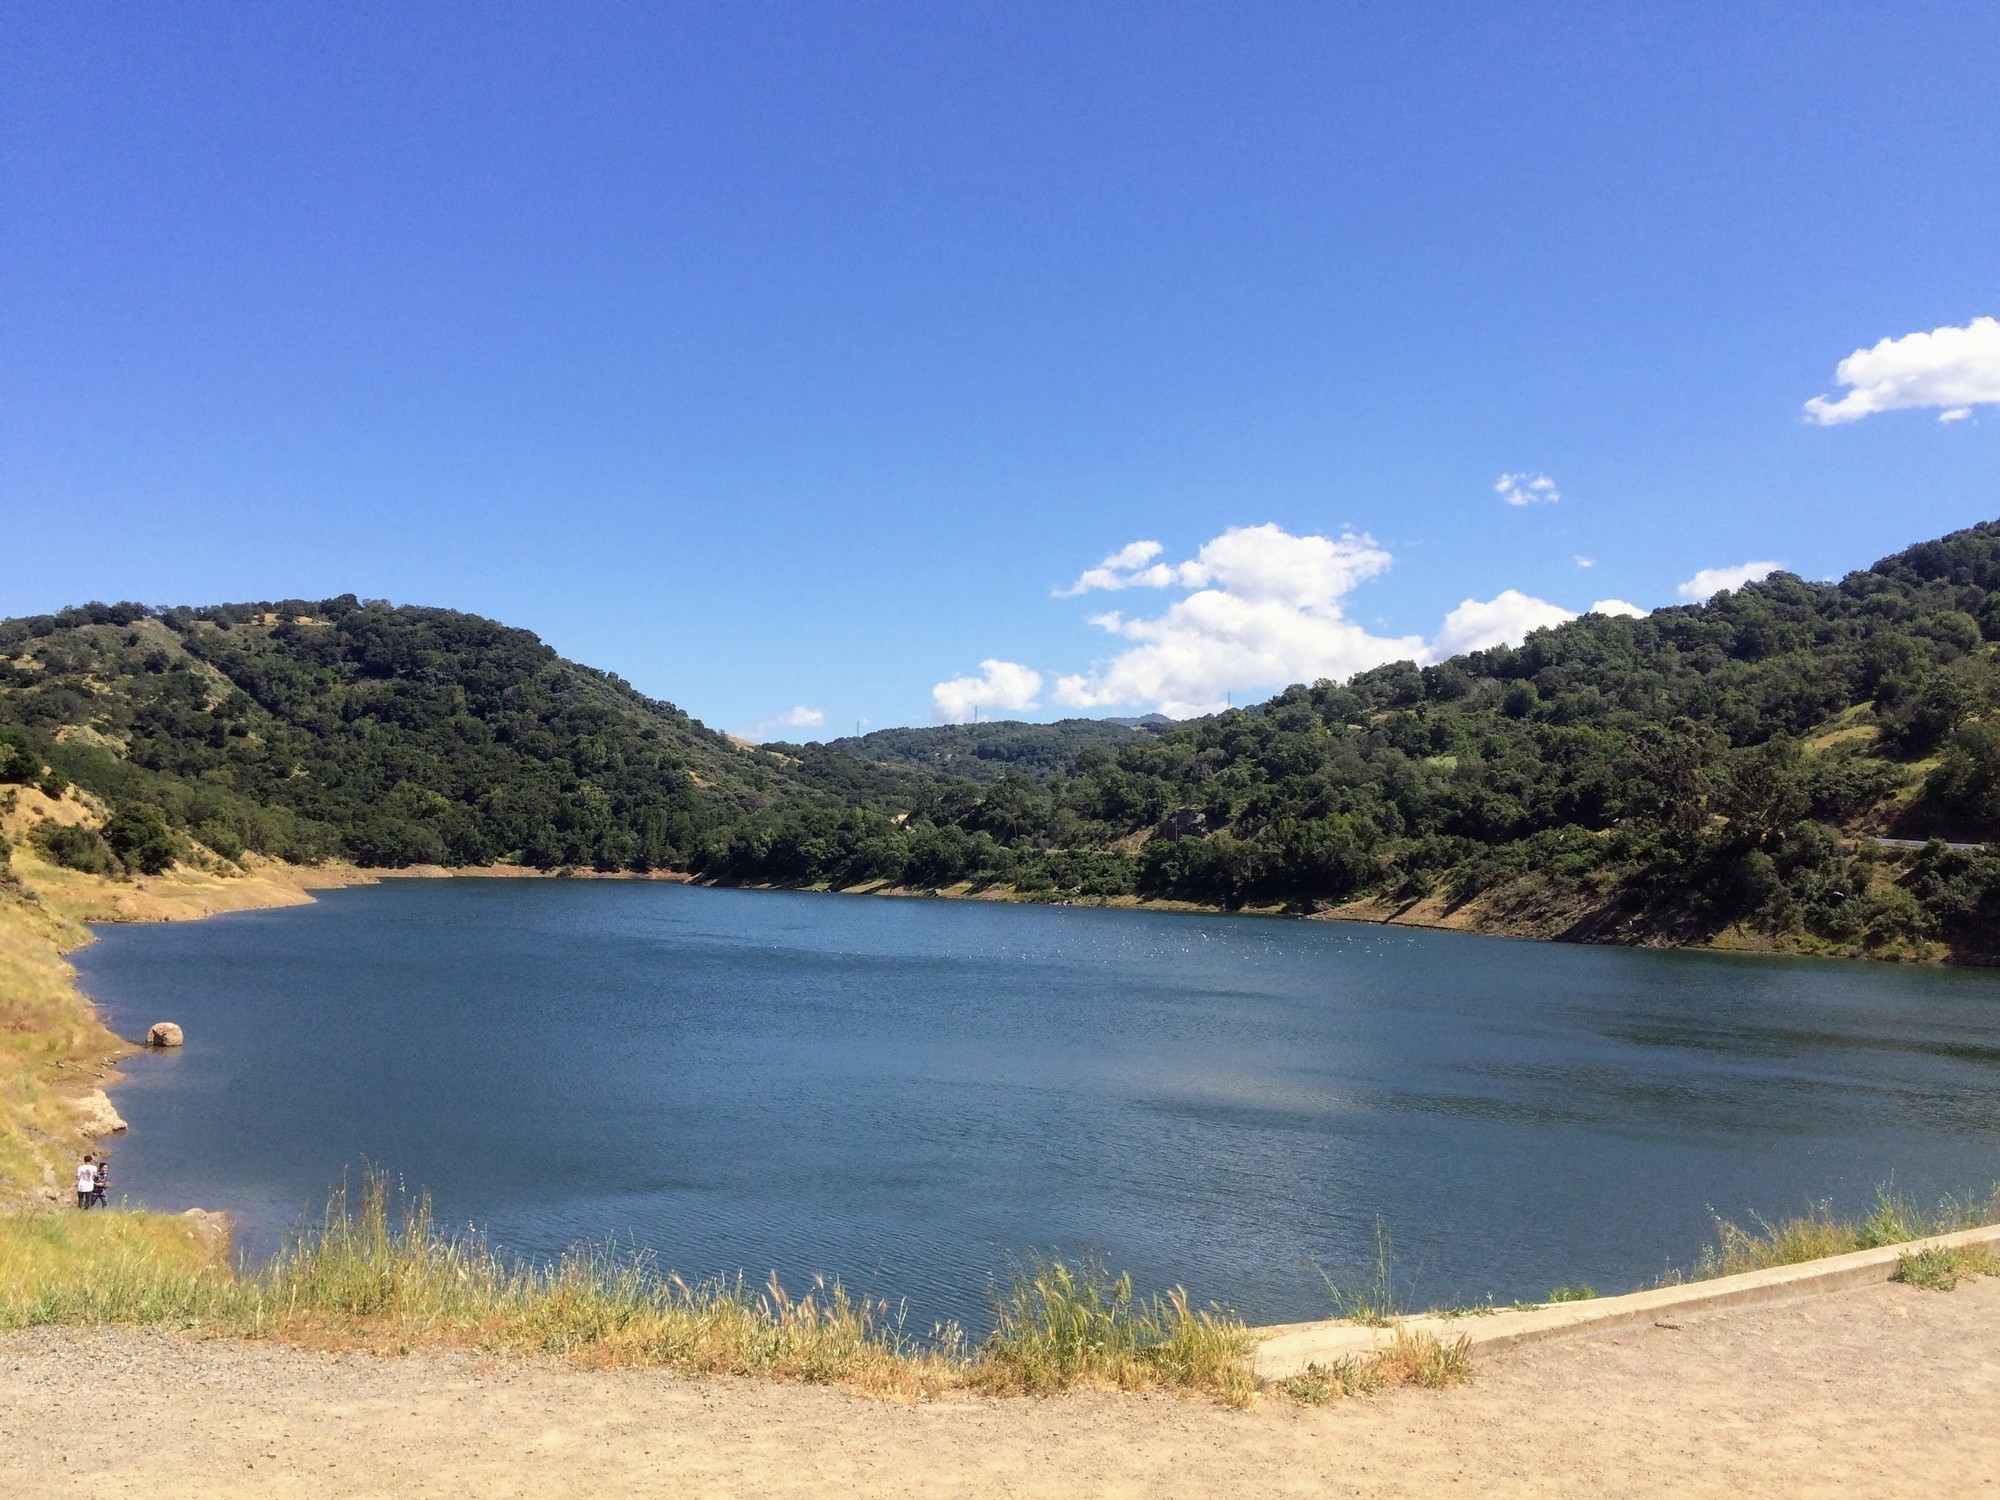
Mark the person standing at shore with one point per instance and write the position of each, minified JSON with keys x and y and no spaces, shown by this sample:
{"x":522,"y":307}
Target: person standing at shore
{"x":100,"y":1182}
{"x":86,"y":1180}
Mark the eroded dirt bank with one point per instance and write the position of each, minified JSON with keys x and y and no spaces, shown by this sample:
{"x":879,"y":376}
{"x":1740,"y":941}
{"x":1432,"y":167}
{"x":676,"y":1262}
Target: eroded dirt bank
{"x":1883,"y":1391}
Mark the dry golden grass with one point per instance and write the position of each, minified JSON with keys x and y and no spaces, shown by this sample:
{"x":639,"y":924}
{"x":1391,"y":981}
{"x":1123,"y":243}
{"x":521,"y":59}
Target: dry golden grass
{"x":1064,"y":1328}
{"x":1816,"y":1234}
{"x":1411,"y":1359}
{"x":41,"y":1252}
{"x":379,"y":1275}
{"x":50,"y":1042}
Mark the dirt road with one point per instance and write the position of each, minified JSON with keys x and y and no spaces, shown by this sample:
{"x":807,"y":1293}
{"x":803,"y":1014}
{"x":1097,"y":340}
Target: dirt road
{"x":1883,"y":1391}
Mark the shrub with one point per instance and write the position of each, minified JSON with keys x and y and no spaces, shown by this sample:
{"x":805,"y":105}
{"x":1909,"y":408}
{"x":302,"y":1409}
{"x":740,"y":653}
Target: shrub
{"x":17,"y":762}
{"x":221,"y":838}
{"x":139,"y":835}
{"x":76,"y":848}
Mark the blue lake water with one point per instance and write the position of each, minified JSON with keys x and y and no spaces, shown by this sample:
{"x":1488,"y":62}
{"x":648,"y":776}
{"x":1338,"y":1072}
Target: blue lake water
{"x":903,"y":1092}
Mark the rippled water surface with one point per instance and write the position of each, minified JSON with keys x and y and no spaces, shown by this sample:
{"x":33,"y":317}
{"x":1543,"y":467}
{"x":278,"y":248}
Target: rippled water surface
{"x":903,"y":1092}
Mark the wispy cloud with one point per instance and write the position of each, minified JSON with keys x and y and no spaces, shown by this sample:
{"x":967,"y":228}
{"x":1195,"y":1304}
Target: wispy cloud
{"x":1133,"y":566}
{"x":1712,"y":581}
{"x":1952,"y":368}
{"x":1584,"y":562}
{"x":1527,"y":489}
{"x":800,"y":717}
{"x":1001,"y":684}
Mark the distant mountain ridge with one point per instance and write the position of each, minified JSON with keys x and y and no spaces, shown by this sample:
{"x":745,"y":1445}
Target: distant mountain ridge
{"x":987,"y":751}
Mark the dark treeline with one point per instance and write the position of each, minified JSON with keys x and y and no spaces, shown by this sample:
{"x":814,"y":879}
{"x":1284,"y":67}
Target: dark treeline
{"x":1706,"y":767}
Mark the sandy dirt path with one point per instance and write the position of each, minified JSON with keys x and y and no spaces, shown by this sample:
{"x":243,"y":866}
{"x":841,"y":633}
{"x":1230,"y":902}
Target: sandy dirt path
{"x":1883,"y":1391}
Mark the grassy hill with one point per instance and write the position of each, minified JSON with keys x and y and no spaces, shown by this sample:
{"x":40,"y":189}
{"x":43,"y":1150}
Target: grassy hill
{"x":1710,"y":773}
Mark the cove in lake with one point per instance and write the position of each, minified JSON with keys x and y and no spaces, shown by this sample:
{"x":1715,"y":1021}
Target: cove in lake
{"x":901,"y":1092}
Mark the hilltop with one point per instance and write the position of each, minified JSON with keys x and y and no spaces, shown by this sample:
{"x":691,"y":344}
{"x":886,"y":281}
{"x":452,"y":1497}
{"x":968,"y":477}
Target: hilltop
{"x":1713,"y":773}
{"x":391,"y":736}
{"x":986,"y":752}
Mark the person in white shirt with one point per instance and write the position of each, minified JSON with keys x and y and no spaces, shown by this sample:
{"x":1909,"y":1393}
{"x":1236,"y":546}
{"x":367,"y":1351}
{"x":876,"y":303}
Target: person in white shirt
{"x":86,"y":1181}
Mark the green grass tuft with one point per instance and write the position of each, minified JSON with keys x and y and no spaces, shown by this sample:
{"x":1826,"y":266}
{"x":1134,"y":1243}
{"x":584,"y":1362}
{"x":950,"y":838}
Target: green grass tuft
{"x":1059,"y":1327}
{"x":1816,"y":1234}
{"x":1372,"y":1301}
{"x":1939,"y":1269}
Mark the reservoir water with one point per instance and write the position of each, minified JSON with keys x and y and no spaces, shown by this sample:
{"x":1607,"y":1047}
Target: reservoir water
{"x":904,"y":1093}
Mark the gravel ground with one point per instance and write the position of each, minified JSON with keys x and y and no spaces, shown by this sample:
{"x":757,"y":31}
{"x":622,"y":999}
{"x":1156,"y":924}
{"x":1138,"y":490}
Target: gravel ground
{"x":1883,"y":1391}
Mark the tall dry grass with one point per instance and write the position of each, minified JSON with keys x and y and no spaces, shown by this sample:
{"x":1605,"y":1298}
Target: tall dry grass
{"x":1411,"y":1358}
{"x":1059,"y":1327}
{"x":1816,"y":1234}
{"x":377,"y":1273}
{"x":50,"y":1039}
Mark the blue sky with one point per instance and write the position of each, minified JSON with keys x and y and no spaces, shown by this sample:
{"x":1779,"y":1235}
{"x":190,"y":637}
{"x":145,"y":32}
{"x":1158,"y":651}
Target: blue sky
{"x":807,"y":357}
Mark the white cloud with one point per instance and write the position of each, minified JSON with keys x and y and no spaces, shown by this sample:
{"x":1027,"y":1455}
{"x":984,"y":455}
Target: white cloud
{"x":1503,"y":620}
{"x":1953,"y":368}
{"x":1132,"y":567}
{"x":796,"y":718}
{"x":1266,"y":611}
{"x":1527,"y":489}
{"x":1585,"y":562}
{"x":1002,"y":684}
{"x":1712,"y":581}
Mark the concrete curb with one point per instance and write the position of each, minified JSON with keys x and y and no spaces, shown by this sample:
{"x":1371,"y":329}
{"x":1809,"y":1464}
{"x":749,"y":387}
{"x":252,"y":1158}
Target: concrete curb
{"x":1288,"y":1349}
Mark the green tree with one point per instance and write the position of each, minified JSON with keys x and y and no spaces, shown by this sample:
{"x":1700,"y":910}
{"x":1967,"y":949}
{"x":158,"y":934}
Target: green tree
{"x":139,"y":835}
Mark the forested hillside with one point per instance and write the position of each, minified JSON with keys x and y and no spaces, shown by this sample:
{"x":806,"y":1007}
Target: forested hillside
{"x":1711,"y":771}
{"x":388,"y":736}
